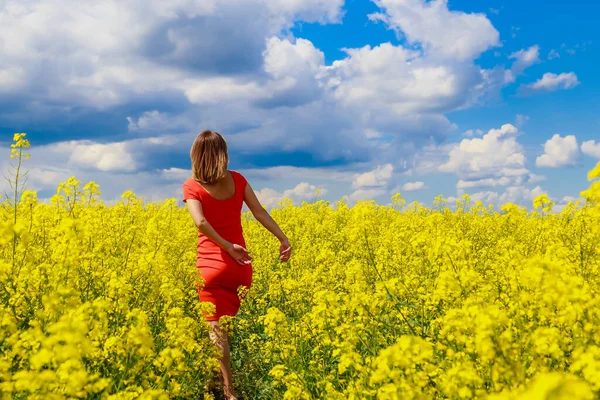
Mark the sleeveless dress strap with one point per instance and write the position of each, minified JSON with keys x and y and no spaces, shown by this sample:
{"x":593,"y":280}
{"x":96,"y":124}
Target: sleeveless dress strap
{"x":240,"y":183}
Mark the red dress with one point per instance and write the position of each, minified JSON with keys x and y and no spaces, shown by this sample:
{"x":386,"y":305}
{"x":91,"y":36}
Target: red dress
{"x":221,"y":273}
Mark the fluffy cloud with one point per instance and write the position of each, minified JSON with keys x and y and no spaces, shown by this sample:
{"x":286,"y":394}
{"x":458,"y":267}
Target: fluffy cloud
{"x":150,"y":121}
{"x":521,"y":120}
{"x":286,"y":59}
{"x":494,"y":160}
{"x":512,"y":194}
{"x":402,"y":81}
{"x":524,"y":59}
{"x":591,"y":148}
{"x":517,"y":179}
{"x":559,"y":152}
{"x":550,"y":82}
{"x":293,"y":68}
{"x":553,"y":54}
{"x":488,"y":182}
{"x":138,"y":46}
{"x":105,"y":157}
{"x":377,"y":177}
{"x":365,"y":194}
{"x":50,"y":165}
{"x":496,"y":154}
{"x":473,"y":132}
{"x":299,"y":173}
{"x":448,"y":34}
{"x":55,"y":160}
{"x":302,"y":192}
{"x":413,"y":186}
{"x":372,"y":184}
{"x":176,"y":174}
{"x":90,"y":155}
{"x":322,"y":11}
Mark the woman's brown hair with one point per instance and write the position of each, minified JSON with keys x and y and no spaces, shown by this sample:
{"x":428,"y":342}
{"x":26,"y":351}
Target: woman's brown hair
{"x":209,"y":157}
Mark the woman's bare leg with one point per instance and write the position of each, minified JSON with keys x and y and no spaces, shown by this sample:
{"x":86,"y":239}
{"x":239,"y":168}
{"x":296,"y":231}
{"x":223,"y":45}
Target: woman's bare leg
{"x":221,"y":340}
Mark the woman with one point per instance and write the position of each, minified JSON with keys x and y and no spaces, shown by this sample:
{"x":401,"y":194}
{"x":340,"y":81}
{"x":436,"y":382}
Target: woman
{"x":214,"y":197}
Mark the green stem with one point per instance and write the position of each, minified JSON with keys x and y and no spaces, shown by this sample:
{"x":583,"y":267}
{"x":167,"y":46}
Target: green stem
{"x":15,"y":206}
{"x":372,"y":259}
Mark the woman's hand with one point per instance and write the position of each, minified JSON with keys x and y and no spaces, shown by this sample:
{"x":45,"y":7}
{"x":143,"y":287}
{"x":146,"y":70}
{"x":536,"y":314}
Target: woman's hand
{"x":285,"y":251}
{"x":239,"y":254}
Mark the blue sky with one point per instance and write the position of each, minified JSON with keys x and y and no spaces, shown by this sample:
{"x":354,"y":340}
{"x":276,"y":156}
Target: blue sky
{"x":356,"y":98}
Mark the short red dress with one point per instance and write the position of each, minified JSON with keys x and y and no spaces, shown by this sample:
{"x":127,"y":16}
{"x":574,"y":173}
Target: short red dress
{"x":222,"y":275}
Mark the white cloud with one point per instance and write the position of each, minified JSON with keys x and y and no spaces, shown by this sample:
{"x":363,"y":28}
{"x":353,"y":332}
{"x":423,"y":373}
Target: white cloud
{"x":521,"y":120}
{"x":550,"y":82}
{"x":514,"y":30}
{"x":524,"y":59}
{"x":104,"y":157}
{"x":488,"y":182}
{"x":495,"y":160}
{"x":413,"y":186}
{"x":365,"y":194}
{"x":553,"y":54}
{"x":591,"y":148}
{"x":534,"y":178}
{"x":559,"y":152}
{"x":402,"y":81}
{"x":283,"y":58}
{"x":87,"y":155}
{"x":377,"y":177}
{"x":11,"y":78}
{"x":299,"y":173}
{"x":372,"y":134}
{"x":39,"y":178}
{"x":216,"y":90}
{"x":513,"y":194}
{"x":473,"y":132}
{"x":149,"y":120}
{"x":322,"y":11}
{"x":512,"y":177}
{"x":176,"y":174}
{"x":428,"y":159}
{"x":50,"y":165}
{"x":302,"y":192}
{"x":293,"y":68}
{"x":399,"y":85}
{"x":138,"y":46}
{"x":496,"y":154}
{"x":450,"y":34}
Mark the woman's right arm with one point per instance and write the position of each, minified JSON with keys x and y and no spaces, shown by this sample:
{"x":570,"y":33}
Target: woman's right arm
{"x":269,"y":223}
{"x":239,"y":253}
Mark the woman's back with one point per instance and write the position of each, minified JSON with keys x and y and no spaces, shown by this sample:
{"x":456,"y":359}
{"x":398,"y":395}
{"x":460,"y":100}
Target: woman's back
{"x":223,"y":189}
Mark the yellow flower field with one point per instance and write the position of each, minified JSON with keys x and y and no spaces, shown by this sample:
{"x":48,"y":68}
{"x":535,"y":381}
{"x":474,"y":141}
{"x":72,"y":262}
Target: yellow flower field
{"x":377,"y":302}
